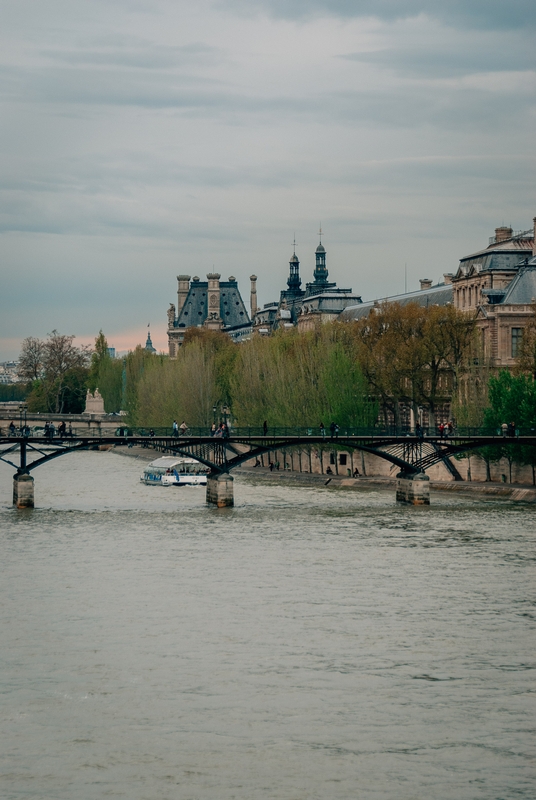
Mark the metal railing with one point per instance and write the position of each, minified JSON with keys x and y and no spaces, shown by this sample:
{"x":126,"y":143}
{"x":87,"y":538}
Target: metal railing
{"x":377,"y":431}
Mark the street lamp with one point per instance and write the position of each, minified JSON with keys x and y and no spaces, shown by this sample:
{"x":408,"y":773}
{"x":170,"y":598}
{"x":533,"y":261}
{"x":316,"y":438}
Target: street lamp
{"x":20,"y":419}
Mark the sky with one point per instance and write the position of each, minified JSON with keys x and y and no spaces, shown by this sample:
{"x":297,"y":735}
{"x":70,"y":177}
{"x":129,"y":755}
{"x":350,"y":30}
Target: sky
{"x":143,"y":139}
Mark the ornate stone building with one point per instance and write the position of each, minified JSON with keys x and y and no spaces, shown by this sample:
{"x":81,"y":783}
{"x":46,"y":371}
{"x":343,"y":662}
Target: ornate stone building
{"x":212,"y":304}
{"x":320,"y":301}
{"x":498,"y":285}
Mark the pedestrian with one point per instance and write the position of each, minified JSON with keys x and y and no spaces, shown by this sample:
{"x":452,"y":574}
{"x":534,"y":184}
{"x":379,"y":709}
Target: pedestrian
{"x":46,"y":430}
{"x":511,"y":429}
{"x":151,"y":433}
{"x":322,"y":430}
{"x":329,"y":471}
{"x":183,"y":428}
{"x":441,"y":430}
{"x":336,"y":431}
{"x":271,"y":466}
{"x":277,"y":465}
{"x":12,"y":428}
{"x":265,"y":428}
{"x":70,"y":431}
{"x":504,"y":429}
{"x":450,"y":428}
{"x":175,"y":431}
{"x":52,"y":430}
{"x":332,"y":429}
{"x":356,"y":473}
{"x":213,"y":429}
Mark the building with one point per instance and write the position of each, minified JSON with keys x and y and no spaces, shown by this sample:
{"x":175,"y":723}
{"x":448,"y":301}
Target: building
{"x":439,"y":294}
{"x":320,"y":301}
{"x":498,"y":285}
{"x":212,"y":304}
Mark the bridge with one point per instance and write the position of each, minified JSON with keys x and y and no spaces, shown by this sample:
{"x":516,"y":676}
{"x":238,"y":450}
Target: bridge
{"x":413,"y":455}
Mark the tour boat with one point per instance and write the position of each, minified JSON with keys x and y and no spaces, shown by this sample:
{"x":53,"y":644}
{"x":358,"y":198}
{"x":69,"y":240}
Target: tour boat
{"x":173,"y":471}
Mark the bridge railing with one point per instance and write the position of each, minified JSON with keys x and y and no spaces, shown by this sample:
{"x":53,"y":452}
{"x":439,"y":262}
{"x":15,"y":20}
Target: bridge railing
{"x":301,"y":432}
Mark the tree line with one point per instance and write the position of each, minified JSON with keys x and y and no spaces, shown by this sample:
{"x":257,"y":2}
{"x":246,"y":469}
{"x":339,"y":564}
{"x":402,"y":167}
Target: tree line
{"x":353,"y":373}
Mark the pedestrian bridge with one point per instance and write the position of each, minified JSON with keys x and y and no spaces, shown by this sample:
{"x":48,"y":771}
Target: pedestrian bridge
{"x":413,"y":455}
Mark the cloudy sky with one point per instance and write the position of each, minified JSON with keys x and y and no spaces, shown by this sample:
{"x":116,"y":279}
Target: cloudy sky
{"x":141,"y":139}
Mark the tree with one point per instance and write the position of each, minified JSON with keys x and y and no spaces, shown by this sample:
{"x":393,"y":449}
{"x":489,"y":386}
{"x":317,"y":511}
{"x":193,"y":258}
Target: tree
{"x":526,"y":355}
{"x":31,"y":359}
{"x":106,"y":375}
{"x":62,"y":378}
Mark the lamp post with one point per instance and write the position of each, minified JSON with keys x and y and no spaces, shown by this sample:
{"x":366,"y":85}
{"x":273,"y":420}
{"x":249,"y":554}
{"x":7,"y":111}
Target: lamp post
{"x":20,"y":419}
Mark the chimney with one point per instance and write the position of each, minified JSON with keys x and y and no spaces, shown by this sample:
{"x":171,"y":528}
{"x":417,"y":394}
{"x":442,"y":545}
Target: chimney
{"x":253,"y":294}
{"x":213,"y":320}
{"x":182,"y":293}
{"x":426,"y":283}
{"x":447,"y":277}
{"x":503,"y":234}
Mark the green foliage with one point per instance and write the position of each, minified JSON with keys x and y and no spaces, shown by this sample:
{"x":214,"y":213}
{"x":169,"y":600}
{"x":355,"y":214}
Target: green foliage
{"x":512,"y":398}
{"x":300,"y":379}
{"x":106,"y":375}
{"x":12,"y":392}
{"x":65,"y":395}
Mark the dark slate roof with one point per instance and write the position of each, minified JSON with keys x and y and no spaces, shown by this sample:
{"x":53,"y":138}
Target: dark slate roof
{"x":522,"y":290}
{"x":194,"y":311}
{"x":438,"y":295}
{"x":502,"y":255}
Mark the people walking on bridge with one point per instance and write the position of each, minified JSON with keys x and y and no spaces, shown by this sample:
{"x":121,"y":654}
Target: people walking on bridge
{"x":265,"y":428}
{"x":175,"y":431}
{"x":61,"y":429}
{"x":334,"y":430}
{"x":183,"y":428}
{"x":213,"y":429}
{"x":52,"y":430}
{"x":322,"y":430}
{"x":504,"y":428}
{"x":12,"y":429}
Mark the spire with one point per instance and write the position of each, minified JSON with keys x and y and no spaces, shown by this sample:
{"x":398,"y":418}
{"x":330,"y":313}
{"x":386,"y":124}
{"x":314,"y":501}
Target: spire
{"x":294,"y":281}
{"x":321,"y":272}
{"x":148,"y":343}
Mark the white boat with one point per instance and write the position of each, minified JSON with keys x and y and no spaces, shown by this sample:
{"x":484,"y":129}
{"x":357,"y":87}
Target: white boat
{"x":173,"y":471}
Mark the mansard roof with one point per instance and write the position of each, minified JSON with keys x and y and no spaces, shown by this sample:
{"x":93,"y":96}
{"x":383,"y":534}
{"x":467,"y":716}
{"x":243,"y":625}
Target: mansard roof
{"x":195,"y":309}
{"x":506,"y":255}
{"x":522,"y":290}
{"x":438,"y":295}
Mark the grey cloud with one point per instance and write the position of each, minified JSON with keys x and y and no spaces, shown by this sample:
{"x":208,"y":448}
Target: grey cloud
{"x":141,"y":56}
{"x":452,"y":60}
{"x":484,"y":14}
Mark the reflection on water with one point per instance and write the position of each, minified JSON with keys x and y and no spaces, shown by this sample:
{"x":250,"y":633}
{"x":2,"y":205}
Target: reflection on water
{"x":309,"y":643}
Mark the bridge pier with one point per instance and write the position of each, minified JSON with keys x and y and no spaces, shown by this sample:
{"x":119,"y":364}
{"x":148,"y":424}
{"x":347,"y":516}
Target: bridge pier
{"x":23,"y":490}
{"x":413,"y":488}
{"x":220,"y":490}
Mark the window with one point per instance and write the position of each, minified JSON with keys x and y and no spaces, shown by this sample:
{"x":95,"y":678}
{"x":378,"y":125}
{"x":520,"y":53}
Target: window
{"x":517,"y":333}
{"x":342,"y":459}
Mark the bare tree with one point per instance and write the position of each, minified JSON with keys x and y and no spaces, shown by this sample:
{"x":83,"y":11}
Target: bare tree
{"x":31,"y":359}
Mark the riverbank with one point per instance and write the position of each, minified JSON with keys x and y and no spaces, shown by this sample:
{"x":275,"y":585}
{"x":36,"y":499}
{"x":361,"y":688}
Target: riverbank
{"x":505,"y":491}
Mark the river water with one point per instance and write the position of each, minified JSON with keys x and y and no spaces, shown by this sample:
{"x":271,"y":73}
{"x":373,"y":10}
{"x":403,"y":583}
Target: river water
{"x":307,"y":644}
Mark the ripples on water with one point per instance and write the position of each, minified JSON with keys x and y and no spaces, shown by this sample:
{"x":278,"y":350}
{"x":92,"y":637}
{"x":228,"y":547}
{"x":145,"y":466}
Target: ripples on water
{"x":309,"y":643}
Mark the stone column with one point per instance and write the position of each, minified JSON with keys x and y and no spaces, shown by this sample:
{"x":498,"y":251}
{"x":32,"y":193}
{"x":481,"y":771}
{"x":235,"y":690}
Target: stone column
{"x":413,"y":488}
{"x":182,"y":293}
{"x":213,"y":320}
{"x":23,"y":490}
{"x":220,"y":490}
{"x":253,"y":295}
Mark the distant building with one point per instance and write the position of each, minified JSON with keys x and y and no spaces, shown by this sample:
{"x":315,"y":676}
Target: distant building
{"x":211,"y":304}
{"x":9,"y":372}
{"x":111,"y":352}
{"x":439,"y":294}
{"x":320,"y":301}
{"x":149,"y":344}
{"x":498,"y":285}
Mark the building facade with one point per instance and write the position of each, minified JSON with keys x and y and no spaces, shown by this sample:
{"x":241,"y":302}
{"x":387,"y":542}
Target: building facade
{"x":212,"y":304}
{"x":320,"y":301}
{"x":498,"y":285}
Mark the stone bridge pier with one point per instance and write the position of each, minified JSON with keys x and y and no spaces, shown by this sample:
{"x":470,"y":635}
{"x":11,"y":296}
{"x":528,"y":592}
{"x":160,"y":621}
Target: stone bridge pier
{"x":413,"y":488}
{"x":220,"y":490}
{"x":23,"y":490}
